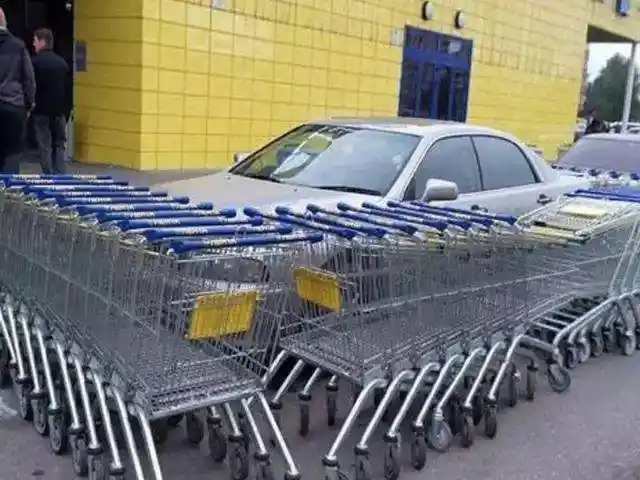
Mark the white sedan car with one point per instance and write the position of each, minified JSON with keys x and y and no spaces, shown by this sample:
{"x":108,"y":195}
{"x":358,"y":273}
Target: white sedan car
{"x":382,"y":159}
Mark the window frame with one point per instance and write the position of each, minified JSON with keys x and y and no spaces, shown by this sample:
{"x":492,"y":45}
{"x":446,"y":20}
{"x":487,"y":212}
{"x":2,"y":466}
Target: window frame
{"x":424,"y":157}
{"x":536,"y":175}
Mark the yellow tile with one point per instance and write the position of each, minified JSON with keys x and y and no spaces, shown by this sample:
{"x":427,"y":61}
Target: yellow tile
{"x":198,"y":16}
{"x":173,"y":35}
{"x":173,"y":11}
{"x":196,"y":84}
{"x":170,"y":104}
{"x":195,"y":125}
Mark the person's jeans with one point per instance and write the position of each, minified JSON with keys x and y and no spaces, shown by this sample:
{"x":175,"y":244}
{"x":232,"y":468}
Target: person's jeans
{"x":50,"y":133}
{"x":13,"y":124}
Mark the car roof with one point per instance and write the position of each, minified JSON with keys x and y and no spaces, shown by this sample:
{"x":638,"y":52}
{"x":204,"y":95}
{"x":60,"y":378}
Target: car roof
{"x":614,"y":137}
{"x":415,"y":126}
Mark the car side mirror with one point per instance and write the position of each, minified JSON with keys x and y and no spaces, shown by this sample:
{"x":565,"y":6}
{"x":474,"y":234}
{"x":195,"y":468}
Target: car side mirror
{"x":240,"y":156}
{"x":438,"y":190}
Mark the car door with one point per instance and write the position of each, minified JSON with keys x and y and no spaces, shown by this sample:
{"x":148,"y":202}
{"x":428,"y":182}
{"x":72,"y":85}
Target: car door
{"x":452,"y":159}
{"x":509,"y":183}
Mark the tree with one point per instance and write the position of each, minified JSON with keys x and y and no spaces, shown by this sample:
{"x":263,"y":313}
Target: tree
{"x":606,"y":91}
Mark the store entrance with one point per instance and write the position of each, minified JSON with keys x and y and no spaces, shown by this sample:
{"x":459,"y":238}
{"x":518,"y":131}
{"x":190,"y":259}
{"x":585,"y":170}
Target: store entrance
{"x":435,"y":75}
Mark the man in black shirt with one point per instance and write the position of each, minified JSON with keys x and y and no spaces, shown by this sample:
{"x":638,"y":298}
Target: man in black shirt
{"x":17,"y":92}
{"x":51,"y":73}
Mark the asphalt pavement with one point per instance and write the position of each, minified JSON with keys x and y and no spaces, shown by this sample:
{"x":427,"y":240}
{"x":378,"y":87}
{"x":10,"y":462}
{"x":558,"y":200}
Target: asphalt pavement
{"x":588,"y":433}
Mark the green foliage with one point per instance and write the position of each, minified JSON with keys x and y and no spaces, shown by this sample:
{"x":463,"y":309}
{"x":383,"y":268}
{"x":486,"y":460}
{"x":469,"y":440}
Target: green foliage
{"x":606,"y":91}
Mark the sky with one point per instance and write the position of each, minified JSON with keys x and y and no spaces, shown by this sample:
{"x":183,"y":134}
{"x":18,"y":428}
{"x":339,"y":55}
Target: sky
{"x":599,"y":53}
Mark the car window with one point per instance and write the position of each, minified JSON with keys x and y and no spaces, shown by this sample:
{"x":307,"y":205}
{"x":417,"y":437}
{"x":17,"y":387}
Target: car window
{"x":502,"y":163}
{"x":333,"y":157}
{"x":603,"y":153}
{"x":452,"y":159}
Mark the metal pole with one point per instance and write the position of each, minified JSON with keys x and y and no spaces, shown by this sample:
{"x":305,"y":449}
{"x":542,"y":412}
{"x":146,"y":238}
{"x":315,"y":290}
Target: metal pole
{"x":628,"y":92}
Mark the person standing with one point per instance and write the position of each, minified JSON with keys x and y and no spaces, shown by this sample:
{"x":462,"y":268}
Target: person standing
{"x":17,"y":97}
{"x":49,"y":124}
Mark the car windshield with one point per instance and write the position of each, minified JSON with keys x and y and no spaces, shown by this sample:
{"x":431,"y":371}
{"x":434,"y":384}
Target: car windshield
{"x":333,"y":157}
{"x":602,"y":153}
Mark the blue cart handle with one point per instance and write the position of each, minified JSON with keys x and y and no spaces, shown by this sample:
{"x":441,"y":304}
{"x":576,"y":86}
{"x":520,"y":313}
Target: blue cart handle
{"x":41,"y":194}
{"x":600,"y":196}
{"x":439,"y":213}
{"x":64,"y":201}
{"x":414,"y":216}
{"x":60,"y":176}
{"x":372,"y":220}
{"x":631,"y":192}
{"x":508,"y":219}
{"x":439,"y":225}
{"x":59,"y":189}
{"x":340,"y":232}
{"x":370,"y":231}
{"x":126,"y":225}
{"x":403,"y":227}
{"x":54,"y":181}
{"x":193,"y":212}
{"x":84,"y":210}
{"x":158,"y":234}
{"x":185,"y":246}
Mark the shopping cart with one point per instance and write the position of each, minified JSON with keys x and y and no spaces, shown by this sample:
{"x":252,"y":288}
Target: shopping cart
{"x":593,"y":316}
{"x":157,"y":315}
{"x":411,"y":293}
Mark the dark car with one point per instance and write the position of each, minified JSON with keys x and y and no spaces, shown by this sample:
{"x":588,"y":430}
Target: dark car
{"x":610,"y":152}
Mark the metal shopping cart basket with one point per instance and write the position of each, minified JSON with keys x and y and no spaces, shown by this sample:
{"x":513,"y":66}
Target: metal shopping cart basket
{"x":160,"y":321}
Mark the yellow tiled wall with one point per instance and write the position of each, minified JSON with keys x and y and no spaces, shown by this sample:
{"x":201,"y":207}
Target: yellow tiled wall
{"x":108,"y":95}
{"x":206,"y":83}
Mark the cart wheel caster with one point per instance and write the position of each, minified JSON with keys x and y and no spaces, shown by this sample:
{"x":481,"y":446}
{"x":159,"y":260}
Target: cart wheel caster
{"x":159,"y":431}
{"x":452,"y":417}
{"x":478,"y":407}
{"x":467,"y":430}
{"x":97,"y":468}
{"x":363,"y":468}
{"x":194,"y":428}
{"x":597,"y":345}
{"x":418,"y":452}
{"x":491,"y":422}
{"x":531,"y":384}
{"x":392,"y":466}
{"x":80,"y":455}
{"x":342,"y":475}
{"x":609,"y":340}
{"x":24,"y":401}
{"x":512,"y":386}
{"x":217,"y":442}
{"x":439,"y":436}
{"x":242,"y":426}
{"x":559,"y":378}
{"x":238,"y":462}
{"x":174,"y":420}
{"x":332,"y":408}
{"x":304,"y":419}
{"x":571,"y":357}
{"x":58,"y":435}
{"x":584,"y":350}
{"x":628,"y":345}
{"x":4,"y":364}
{"x":40,"y":416}
{"x":264,"y":471}
{"x":58,"y":429}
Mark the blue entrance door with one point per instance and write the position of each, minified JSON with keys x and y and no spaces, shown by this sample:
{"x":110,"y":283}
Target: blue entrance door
{"x":435,"y":75}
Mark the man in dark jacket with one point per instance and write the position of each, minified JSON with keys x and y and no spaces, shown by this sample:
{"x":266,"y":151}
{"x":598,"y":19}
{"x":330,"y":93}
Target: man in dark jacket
{"x":595,"y":124}
{"x":17,"y":96}
{"x":49,"y":123}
